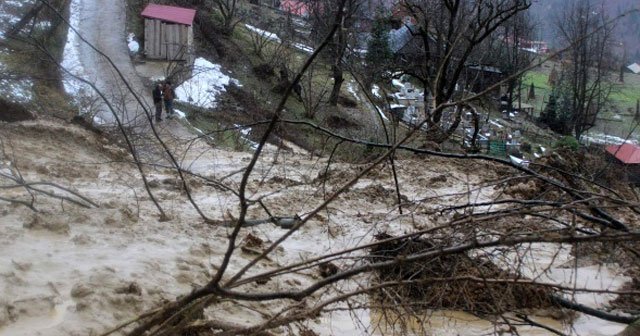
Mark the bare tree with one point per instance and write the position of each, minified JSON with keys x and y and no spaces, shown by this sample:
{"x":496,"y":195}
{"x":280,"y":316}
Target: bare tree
{"x":322,"y":14}
{"x":586,"y":77}
{"x":449,"y":35}
{"x":469,"y":251}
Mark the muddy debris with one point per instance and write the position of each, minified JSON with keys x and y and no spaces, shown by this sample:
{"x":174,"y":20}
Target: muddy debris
{"x":252,"y":241}
{"x":132,"y":288}
{"x":427,"y":288}
{"x":327,"y":269}
{"x":438,"y":180}
{"x":80,"y":290}
{"x":523,"y":190}
{"x":52,"y":223}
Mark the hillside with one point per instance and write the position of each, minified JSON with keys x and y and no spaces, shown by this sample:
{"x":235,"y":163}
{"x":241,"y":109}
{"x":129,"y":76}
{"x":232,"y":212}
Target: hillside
{"x":546,"y":12}
{"x":245,"y":214}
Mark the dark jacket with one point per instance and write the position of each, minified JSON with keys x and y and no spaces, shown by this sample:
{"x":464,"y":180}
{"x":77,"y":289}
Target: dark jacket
{"x":168,"y":92}
{"x":157,"y":95}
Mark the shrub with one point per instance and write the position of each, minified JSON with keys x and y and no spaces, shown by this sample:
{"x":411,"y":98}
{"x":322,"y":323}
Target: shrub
{"x":567,"y":142}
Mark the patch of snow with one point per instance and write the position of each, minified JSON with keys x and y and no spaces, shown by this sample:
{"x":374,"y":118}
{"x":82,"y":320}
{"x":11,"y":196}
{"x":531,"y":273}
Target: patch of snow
{"x":605,"y":139}
{"x":495,"y":123}
{"x":269,"y":35}
{"x":397,"y":83}
{"x":17,"y":90}
{"x":71,"y":60}
{"x":382,"y":114}
{"x":394,"y":106}
{"x":43,"y":25}
{"x":8,"y":19}
{"x":180,"y":114}
{"x":18,"y":4}
{"x":204,"y":86}
{"x":303,"y":47}
{"x":351,"y":88}
{"x":245,"y":131}
{"x":156,"y":79}
{"x":98,"y":121}
{"x":518,"y":162}
{"x":375,"y":90}
{"x":134,"y":46}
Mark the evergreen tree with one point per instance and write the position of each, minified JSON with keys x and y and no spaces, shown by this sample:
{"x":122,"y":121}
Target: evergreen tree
{"x":378,"y":51}
{"x":532,"y":92}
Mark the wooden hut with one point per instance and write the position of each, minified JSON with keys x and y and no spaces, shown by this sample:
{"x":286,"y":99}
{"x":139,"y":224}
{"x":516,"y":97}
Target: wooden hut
{"x":168,"y":32}
{"x":626,"y":159}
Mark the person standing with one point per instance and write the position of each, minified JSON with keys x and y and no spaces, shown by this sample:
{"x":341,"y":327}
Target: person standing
{"x":157,"y":101}
{"x":168,"y":95}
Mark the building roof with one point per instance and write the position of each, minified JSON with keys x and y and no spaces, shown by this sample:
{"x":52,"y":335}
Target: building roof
{"x":635,"y":68}
{"x":173,"y":14}
{"x":295,"y":7}
{"x":627,"y":153}
{"x":398,"y":38}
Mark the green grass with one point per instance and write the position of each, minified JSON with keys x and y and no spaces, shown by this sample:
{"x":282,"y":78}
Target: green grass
{"x":539,"y":79}
{"x":623,"y":96}
{"x":623,"y":100}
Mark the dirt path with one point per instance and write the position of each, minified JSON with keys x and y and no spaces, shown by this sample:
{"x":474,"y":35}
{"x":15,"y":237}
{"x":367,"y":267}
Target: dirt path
{"x":103,"y":23}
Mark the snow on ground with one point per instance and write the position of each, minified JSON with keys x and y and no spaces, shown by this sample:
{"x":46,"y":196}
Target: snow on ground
{"x":133,"y":45}
{"x":397,"y":83}
{"x":203,"y":87}
{"x":303,"y":47}
{"x":17,"y":91}
{"x":10,"y":11}
{"x":351,"y":87}
{"x":71,"y":59}
{"x":275,"y":38}
{"x":268,"y":35}
{"x":605,"y":139}
{"x":375,"y":90}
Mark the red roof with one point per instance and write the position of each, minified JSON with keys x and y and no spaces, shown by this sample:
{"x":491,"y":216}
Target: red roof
{"x":170,"y":13}
{"x":295,"y":7}
{"x":627,"y":153}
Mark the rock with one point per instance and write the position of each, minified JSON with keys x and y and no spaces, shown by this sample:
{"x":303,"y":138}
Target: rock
{"x":80,"y":291}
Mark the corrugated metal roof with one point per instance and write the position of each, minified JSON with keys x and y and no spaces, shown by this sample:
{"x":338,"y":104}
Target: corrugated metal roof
{"x":627,"y":153}
{"x":173,"y":14}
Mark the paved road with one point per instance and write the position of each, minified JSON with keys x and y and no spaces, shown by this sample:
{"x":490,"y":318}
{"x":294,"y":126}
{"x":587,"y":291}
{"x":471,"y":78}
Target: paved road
{"x":103,"y":22}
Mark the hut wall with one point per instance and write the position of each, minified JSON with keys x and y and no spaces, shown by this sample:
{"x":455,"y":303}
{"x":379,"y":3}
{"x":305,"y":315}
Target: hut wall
{"x":167,"y":41}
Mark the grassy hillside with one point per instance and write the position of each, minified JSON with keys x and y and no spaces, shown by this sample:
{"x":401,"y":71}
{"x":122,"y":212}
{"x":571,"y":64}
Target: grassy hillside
{"x":617,"y":120}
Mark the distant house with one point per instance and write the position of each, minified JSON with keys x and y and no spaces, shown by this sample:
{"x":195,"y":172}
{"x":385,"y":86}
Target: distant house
{"x":635,"y":68}
{"x":627,"y":158}
{"x":168,"y":32}
{"x":407,"y":46}
{"x":478,"y":77}
{"x":295,"y":7}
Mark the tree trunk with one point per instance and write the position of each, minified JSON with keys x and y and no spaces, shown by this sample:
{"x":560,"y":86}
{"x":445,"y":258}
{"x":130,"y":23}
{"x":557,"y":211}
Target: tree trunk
{"x":338,"y":79}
